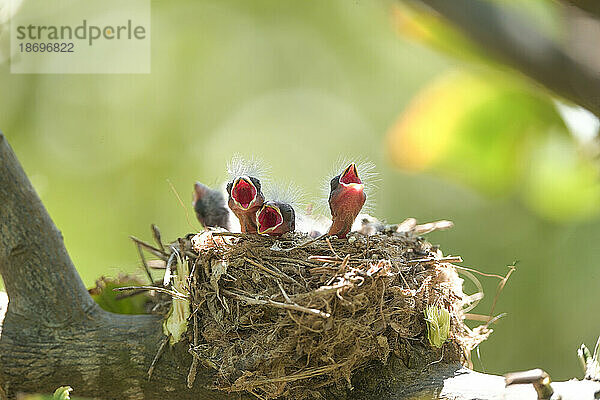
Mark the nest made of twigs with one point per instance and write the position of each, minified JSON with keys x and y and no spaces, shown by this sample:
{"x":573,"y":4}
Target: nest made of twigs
{"x":281,"y":316}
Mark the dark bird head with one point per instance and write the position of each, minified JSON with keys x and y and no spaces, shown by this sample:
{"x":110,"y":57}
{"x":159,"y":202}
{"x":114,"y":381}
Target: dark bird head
{"x":346,"y":199}
{"x":210,"y":207}
{"x":275,"y":218}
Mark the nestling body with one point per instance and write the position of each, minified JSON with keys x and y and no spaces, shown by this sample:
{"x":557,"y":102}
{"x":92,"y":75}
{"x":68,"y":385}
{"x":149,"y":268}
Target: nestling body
{"x":210,"y":208}
{"x":245,"y":199}
{"x":275,"y":218}
{"x":346,"y":199}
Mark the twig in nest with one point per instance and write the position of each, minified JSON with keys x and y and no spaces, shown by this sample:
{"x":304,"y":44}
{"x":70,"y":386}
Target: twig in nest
{"x":185,"y":209}
{"x":333,"y":288}
{"x":299,"y":375}
{"x":407,"y":225}
{"x":157,"y":356}
{"x":274,"y":272}
{"x":329,"y":259}
{"x":150,"y":249}
{"x":474,"y":299}
{"x":291,"y":261}
{"x":325,"y":269}
{"x":156,"y":264}
{"x":433,"y":226}
{"x":501,"y":285}
{"x":342,"y":268}
{"x":121,"y":296}
{"x":173,"y":293}
{"x":276,"y":304}
{"x":157,"y":238}
{"x":436,"y":361}
{"x":258,"y":396}
{"x":283,"y":292}
{"x":340,"y":271}
{"x":192,"y":373}
{"x":484,"y":318}
{"x":300,"y":324}
{"x":306,"y":243}
{"x":172,"y":257}
{"x":428,"y":260}
{"x":236,"y":234}
{"x":331,"y":248}
{"x":143,"y":259}
{"x":381,"y":303}
{"x":431,"y":260}
{"x":478,"y":272}
{"x":403,"y":279}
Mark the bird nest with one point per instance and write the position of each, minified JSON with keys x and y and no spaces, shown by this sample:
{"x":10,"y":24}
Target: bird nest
{"x":282,"y":317}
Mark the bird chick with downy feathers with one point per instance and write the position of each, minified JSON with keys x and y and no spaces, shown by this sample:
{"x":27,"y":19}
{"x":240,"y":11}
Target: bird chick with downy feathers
{"x":245,"y":191}
{"x":347,"y":196}
{"x":278,"y":215}
{"x":210,"y":207}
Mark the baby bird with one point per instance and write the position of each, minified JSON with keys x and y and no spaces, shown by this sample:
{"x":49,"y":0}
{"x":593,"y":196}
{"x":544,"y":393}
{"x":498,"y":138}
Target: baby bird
{"x":346,"y":199}
{"x":278,"y":215}
{"x":245,"y":193}
{"x":275,"y":218}
{"x":209,"y":205}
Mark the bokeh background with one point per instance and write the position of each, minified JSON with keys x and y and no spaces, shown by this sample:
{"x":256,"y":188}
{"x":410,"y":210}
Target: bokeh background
{"x":454,"y":134}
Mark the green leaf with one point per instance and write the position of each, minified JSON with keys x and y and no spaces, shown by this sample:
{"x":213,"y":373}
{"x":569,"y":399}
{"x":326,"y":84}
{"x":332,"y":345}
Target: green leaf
{"x":175,"y":325}
{"x":438,"y":325}
{"x":62,"y":393}
{"x":591,"y":365}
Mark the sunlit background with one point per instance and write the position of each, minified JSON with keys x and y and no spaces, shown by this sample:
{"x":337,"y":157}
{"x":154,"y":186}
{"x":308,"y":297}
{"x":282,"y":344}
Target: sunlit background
{"x":300,"y":84}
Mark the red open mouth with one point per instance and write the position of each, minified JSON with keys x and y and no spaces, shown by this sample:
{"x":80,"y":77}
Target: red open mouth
{"x":268,"y":219}
{"x":350,"y":175}
{"x":243,"y":192}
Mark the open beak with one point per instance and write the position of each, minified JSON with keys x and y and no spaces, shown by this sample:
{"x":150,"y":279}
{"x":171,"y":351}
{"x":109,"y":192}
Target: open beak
{"x":350,"y":180}
{"x":268,"y":218}
{"x":346,"y":199}
{"x":243,"y":193}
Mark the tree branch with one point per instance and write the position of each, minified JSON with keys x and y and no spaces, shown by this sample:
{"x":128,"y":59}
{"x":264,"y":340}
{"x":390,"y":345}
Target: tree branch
{"x":52,"y":333}
{"x":37,"y":271}
{"x":590,"y":6}
{"x":517,"y":43}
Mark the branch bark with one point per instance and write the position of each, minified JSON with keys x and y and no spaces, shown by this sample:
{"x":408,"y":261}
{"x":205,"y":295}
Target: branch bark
{"x":514,"y":41}
{"x":590,"y":6}
{"x":53,"y":334}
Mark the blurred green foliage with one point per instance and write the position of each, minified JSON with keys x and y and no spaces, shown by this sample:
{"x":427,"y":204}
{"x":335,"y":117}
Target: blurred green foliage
{"x":497,"y":136}
{"x":298,"y":84}
{"x":113,"y":301}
